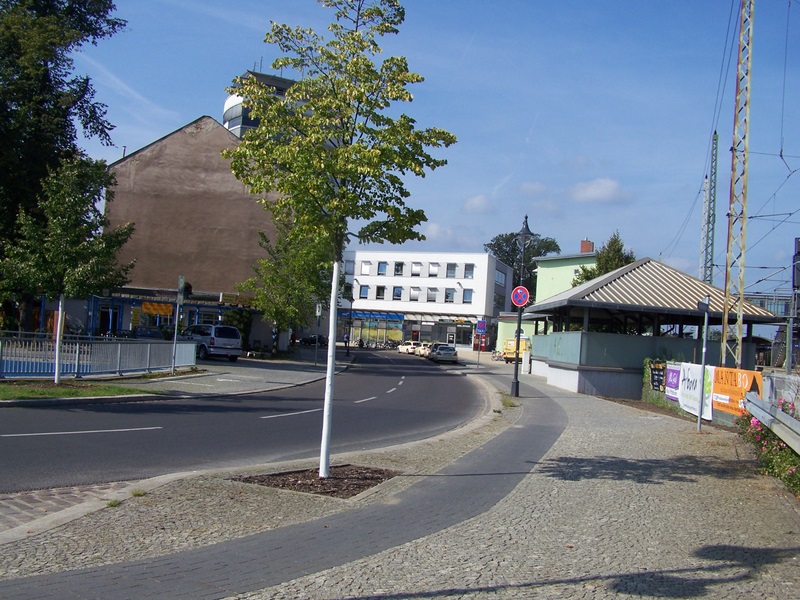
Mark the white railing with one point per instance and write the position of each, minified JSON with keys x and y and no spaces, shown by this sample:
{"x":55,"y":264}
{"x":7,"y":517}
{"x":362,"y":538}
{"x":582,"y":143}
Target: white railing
{"x":31,"y":356}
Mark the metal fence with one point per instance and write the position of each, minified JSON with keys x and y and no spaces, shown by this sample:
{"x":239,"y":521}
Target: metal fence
{"x":33,"y":355}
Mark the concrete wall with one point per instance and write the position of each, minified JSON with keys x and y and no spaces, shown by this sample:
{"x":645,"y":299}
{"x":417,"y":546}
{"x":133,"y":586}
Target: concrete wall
{"x":610,"y":365}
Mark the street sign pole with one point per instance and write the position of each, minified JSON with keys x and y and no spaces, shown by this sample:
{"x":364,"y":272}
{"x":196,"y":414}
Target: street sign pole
{"x":178,"y":302}
{"x":480,"y":331}
{"x":519,"y":297}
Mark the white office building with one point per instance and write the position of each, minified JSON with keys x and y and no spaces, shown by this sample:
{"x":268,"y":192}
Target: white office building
{"x":426,"y":296}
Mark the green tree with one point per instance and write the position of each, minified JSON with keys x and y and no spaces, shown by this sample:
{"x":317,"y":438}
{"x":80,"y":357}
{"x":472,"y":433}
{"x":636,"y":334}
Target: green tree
{"x":290,"y":280}
{"x":609,"y":257}
{"x":67,"y":252}
{"x":331,"y":147}
{"x":42,"y":103}
{"x":505,"y":248}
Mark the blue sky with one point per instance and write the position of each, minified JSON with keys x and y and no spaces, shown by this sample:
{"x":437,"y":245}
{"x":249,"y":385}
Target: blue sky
{"x":588,"y":116}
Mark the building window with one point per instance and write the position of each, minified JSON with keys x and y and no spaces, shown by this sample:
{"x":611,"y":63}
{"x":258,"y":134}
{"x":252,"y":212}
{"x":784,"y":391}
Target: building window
{"x":469,"y":271}
{"x":500,"y":278}
{"x":467,"y":298}
{"x":416,"y":269}
{"x":380,"y":292}
{"x":382,"y":267}
{"x":451,"y":270}
{"x":433,"y":270}
{"x":365,"y":265}
{"x":349,"y":267}
{"x":398,"y":268}
{"x":500,"y":301}
{"x":414,"y":296}
{"x":363,"y":292}
{"x":449,"y":295}
{"x":397,"y":293}
{"x":432,"y":294}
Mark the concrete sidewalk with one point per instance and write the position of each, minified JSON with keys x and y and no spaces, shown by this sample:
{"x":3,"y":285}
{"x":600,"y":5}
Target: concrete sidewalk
{"x":580,"y":497}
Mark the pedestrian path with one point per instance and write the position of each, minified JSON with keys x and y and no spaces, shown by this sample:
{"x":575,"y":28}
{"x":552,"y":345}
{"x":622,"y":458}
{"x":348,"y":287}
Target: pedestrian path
{"x":463,"y":490}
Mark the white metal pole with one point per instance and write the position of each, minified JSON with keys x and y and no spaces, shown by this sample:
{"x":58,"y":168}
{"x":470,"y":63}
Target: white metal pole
{"x":325,"y":446}
{"x":59,"y":334}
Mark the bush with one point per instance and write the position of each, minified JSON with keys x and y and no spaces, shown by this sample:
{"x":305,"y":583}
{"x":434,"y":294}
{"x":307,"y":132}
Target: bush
{"x":775,"y":458}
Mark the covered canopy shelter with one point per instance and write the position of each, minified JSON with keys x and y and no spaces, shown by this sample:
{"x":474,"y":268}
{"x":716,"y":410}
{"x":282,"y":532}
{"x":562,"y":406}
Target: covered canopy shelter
{"x":594,"y":338}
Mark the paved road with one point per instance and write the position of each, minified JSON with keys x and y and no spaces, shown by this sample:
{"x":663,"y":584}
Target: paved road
{"x":383,"y":400}
{"x":580,"y":497}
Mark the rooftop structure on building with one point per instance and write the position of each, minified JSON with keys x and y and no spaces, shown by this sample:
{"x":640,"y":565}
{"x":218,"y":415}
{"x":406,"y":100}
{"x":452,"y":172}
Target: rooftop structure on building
{"x":236,"y":117}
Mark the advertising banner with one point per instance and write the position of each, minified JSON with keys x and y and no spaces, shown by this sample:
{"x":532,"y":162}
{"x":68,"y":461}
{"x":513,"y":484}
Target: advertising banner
{"x":730,"y":386}
{"x":672,"y":381}
{"x":689,"y":389}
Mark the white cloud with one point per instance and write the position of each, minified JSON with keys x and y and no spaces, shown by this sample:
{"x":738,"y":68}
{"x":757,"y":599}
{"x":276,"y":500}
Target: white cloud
{"x":436,"y":233}
{"x":598,"y":191}
{"x":498,"y":186}
{"x":532,"y":188}
{"x":142,"y":108}
{"x":477,"y":204}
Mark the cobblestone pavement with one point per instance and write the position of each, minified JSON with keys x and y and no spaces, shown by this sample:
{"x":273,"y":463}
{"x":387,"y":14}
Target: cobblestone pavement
{"x":626,"y":503}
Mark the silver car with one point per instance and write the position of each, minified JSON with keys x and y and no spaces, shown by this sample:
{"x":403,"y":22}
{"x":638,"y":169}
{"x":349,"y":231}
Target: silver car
{"x":444,"y":353}
{"x":214,"y":340}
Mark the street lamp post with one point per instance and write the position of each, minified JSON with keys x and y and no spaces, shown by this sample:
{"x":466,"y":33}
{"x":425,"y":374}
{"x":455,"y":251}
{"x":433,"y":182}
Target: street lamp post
{"x":704,"y":305}
{"x":522,"y":238}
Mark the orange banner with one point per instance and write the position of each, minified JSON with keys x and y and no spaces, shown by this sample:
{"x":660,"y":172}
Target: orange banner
{"x":157,"y":308}
{"x":730,"y":386}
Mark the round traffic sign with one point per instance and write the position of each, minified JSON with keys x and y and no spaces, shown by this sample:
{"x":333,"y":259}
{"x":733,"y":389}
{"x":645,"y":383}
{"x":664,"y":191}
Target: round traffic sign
{"x":520,"y":295}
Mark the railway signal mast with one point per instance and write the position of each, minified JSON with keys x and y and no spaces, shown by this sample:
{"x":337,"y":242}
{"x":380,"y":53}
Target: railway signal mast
{"x":709,"y":218}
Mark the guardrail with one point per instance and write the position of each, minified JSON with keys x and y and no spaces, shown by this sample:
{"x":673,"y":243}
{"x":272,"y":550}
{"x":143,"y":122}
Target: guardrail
{"x":27,"y":356}
{"x":779,"y":392}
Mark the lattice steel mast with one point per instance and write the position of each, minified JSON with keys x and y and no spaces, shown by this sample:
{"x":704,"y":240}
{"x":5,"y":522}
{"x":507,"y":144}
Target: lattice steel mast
{"x":709,"y":217}
{"x":737,"y":210}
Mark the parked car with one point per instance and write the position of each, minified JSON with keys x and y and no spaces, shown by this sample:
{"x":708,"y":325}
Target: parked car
{"x":444,"y":353}
{"x":426,"y":349}
{"x":147,"y":332}
{"x":311,"y":340}
{"x":420,"y":350}
{"x":409,"y":347}
{"x":214,"y":340}
{"x":432,"y":348}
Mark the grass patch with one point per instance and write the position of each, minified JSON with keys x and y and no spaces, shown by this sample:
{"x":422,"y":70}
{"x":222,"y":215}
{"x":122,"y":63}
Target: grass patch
{"x":508,"y":401}
{"x":113,"y":503}
{"x":28,"y":389}
{"x":138,"y":493}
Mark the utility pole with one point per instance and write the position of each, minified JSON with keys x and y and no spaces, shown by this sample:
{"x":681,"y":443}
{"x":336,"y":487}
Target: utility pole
{"x":737,"y":209}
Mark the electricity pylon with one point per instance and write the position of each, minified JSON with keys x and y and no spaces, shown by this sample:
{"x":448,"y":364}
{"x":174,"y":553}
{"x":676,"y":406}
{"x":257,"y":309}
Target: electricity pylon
{"x":737,"y":209}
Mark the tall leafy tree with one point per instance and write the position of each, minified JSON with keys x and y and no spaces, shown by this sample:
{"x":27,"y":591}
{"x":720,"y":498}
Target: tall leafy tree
{"x":68,"y":252}
{"x":611,"y":256}
{"x":42,"y":102}
{"x":291,"y":279}
{"x":505,"y":248}
{"x":331,"y":147}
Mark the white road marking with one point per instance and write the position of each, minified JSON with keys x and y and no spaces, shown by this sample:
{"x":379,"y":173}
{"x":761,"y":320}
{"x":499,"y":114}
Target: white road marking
{"x":391,"y":390}
{"x":401,"y":382}
{"x":80,"y":432}
{"x":229,"y":380}
{"x":365,"y":400}
{"x":195,"y":383}
{"x":302,"y":412}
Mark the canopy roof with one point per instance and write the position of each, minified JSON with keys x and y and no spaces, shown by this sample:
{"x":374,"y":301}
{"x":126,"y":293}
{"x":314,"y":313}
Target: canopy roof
{"x":645,"y":288}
